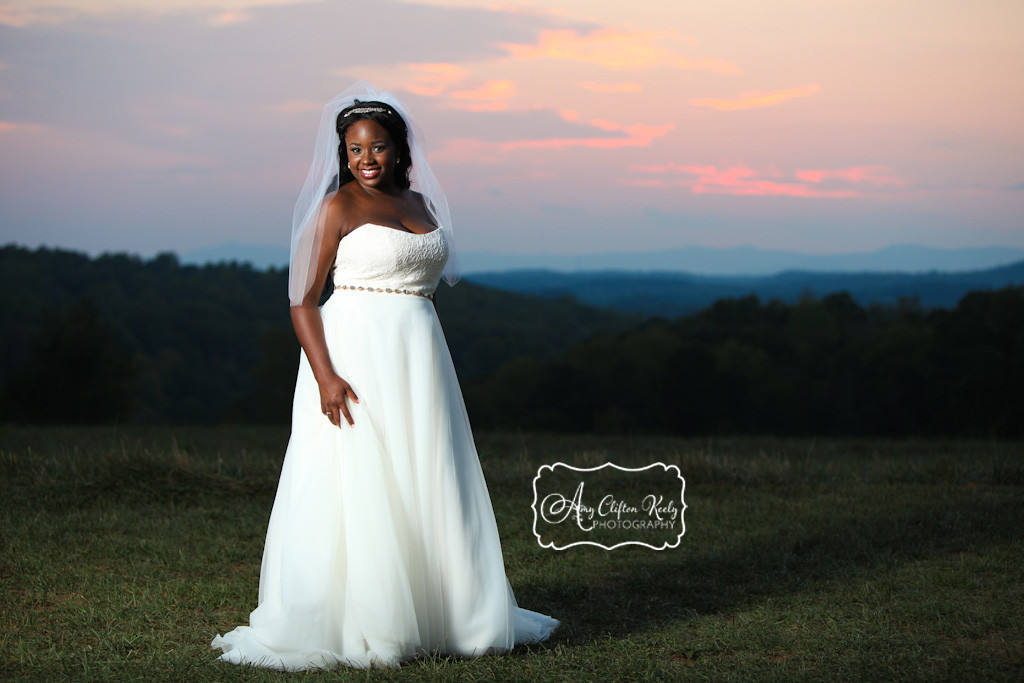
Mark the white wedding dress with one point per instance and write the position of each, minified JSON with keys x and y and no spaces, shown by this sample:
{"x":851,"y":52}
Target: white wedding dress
{"x":382,"y":542}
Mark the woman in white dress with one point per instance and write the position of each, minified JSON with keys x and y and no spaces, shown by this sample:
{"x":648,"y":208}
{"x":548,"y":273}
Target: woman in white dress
{"x":382,"y":543}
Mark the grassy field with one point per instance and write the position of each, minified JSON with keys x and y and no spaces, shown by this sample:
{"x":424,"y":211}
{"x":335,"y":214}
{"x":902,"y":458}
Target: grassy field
{"x":124,"y":550}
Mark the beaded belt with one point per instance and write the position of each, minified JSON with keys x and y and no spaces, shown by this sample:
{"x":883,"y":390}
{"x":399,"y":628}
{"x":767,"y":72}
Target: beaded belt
{"x":386,"y":290}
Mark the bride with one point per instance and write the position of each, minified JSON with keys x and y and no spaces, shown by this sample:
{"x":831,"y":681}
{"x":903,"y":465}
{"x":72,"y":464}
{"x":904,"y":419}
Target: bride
{"x":382,"y":543}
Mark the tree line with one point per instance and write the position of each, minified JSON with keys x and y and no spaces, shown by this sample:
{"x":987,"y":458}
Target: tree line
{"x":819,"y":366}
{"x":119,"y":338}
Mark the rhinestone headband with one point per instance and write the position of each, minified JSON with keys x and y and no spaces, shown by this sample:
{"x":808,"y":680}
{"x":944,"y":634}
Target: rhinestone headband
{"x":366,"y":110}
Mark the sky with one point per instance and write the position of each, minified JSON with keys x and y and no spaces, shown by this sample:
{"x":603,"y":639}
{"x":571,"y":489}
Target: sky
{"x":555,"y":126}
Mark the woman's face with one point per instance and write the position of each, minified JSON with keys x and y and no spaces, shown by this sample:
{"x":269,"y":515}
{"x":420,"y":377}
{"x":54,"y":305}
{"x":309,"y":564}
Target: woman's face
{"x":371,"y":155}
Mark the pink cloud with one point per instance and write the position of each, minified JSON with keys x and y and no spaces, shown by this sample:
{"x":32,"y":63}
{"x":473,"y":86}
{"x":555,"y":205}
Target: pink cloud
{"x":563,"y":143}
{"x":20,"y":18}
{"x":434,"y":78}
{"x":494,"y":105}
{"x":16,"y":126}
{"x":615,"y":49}
{"x":743,"y":180}
{"x":495,"y":89}
{"x":638,"y":130}
{"x":611,"y":88}
{"x":756,"y":99}
{"x":644,"y":131}
{"x":769,"y":188}
{"x":872,"y":175}
{"x":604,"y":124}
{"x":437,"y":80}
{"x":493,"y":95}
{"x":227,"y":19}
{"x":636,"y":135}
{"x":467,"y":150}
{"x":478,"y":151}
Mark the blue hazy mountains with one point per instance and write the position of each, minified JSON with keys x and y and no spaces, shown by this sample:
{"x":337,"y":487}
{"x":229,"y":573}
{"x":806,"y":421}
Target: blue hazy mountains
{"x":675,"y":294}
{"x":745,"y":261}
{"x":741,"y":261}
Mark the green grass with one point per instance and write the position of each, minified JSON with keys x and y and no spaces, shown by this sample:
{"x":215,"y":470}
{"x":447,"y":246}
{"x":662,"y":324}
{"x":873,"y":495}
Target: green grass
{"x":124,"y":550}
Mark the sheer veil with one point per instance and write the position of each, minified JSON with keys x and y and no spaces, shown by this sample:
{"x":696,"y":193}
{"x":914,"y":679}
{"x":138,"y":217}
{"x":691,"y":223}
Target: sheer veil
{"x":307,"y":225}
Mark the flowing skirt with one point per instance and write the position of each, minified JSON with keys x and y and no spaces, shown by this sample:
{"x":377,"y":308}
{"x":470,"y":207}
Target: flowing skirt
{"x":382,"y":542}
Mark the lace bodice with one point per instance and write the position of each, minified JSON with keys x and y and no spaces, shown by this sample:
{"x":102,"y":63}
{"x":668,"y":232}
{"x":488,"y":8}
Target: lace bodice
{"x":381,"y":257}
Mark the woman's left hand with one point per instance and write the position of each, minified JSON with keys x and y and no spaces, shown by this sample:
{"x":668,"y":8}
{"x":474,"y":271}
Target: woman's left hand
{"x":334,"y":396}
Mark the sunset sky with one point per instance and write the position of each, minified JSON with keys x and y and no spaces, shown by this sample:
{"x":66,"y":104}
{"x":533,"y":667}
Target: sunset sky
{"x":556,"y":126}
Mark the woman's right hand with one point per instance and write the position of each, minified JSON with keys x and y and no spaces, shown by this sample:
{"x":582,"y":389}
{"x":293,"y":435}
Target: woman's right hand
{"x":334,"y":395}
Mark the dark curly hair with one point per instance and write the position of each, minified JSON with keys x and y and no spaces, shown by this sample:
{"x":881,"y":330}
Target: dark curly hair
{"x":390,"y":120}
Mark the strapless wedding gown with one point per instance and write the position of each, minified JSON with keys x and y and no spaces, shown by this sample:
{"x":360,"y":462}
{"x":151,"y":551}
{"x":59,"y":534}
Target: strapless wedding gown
{"x":382,"y":542}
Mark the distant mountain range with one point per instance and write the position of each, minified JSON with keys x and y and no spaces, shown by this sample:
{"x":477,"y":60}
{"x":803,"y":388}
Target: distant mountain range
{"x":731,"y":261}
{"x":674,"y":294}
{"x":260,"y":256}
{"x":753,"y":261}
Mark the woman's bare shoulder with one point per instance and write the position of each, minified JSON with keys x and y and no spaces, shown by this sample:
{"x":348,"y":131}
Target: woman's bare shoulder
{"x":340,"y":198}
{"x":338,"y":207}
{"x":414,"y":196}
{"x":420,"y":202}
